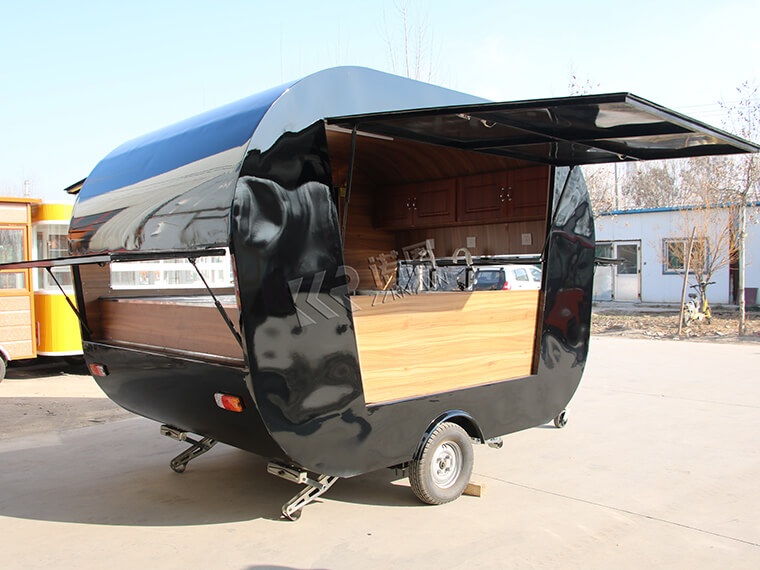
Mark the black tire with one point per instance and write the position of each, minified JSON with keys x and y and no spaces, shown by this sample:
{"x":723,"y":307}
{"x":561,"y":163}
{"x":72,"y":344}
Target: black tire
{"x":561,"y":420}
{"x":443,"y":469}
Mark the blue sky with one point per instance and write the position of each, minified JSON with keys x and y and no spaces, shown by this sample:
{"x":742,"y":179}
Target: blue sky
{"x":79,"y":78}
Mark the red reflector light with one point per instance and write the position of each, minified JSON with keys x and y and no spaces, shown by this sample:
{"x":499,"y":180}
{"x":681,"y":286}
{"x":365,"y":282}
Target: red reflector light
{"x":227,"y":402}
{"x":98,"y":369}
{"x":506,"y":286}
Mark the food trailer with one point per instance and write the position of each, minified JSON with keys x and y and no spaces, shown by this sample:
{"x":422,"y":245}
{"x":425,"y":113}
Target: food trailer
{"x":355,"y":207}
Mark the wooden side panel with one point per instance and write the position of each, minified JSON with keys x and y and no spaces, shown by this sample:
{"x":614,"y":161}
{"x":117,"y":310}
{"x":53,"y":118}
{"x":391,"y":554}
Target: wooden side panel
{"x":95,"y":284}
{"x":17,"y":334}
{"x":14,"y":213}
{"x":490,"y":239}
{"x":163,"y":325}
{"x":16,"y":330}
{"x":438,"y":342}
{"x":363,"y":239}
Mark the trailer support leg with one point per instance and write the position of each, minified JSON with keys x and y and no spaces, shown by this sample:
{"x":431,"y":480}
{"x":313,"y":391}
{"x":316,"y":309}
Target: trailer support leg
{"x":314,"y":487}
{"x":196,"y":448}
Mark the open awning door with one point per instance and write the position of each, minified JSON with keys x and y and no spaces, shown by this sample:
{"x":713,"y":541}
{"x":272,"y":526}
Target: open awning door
{"x":567,"y":131}
{"x":111,"y":256}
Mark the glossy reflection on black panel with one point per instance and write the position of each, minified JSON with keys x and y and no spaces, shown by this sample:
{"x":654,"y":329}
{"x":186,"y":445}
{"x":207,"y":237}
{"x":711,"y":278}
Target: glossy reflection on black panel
{"x":570,"y":267}
{"x":296,"y":322}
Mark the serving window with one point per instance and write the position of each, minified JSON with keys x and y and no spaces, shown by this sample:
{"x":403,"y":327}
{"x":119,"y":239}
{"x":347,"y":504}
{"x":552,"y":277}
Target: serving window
{"x":164,"y":306}
{"x":421,"y":221}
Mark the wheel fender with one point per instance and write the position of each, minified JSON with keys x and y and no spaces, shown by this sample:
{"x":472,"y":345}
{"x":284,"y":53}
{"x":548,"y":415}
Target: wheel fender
{"x":459,"y":417}
{"x":4,"y":354}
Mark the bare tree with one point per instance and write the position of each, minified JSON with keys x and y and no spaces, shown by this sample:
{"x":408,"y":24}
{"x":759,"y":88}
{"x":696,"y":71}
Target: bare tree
{"x":580,"y":86}
{"x":654,"y":185}
{"x":707,"y":180}
{"x":714,"y":247}
{"x":744,"y":174}
{"x":412,"y":52}
{"x":600,"y":180}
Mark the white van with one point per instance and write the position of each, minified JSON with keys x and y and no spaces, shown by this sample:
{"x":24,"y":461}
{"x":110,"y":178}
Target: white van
{"x":507,"y":278}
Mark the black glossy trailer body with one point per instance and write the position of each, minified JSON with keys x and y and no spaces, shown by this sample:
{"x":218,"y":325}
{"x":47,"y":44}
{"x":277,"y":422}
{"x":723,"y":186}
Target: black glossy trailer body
{"x":257,"y":177}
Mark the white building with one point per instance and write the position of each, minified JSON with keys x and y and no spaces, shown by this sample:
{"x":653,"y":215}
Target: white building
{"x":649,"y":242}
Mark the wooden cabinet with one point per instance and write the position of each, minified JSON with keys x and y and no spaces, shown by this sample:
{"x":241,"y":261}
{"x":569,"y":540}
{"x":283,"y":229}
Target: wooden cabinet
{"x":393,"y":206}
{"x":423,"y":204}
{"x":502,"y":196}
{"x":483,"y":197}
{"x":528,"y":188}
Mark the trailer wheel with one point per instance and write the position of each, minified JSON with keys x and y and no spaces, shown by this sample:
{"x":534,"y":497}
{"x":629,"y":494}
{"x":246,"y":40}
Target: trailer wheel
{"x":2,"y":368}
{"x":443,"y":469}
{"x":561,"y":420}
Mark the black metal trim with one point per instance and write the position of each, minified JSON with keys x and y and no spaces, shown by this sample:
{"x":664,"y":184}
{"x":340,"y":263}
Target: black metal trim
{"x":349,"y":181}
{"x":103,"y":258}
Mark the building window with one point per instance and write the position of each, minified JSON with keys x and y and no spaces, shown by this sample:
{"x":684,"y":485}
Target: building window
{"x":676,"y":250}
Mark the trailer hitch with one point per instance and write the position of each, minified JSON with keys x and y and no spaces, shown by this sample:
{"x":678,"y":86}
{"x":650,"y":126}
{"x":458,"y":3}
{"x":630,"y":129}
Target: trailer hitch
{"x":314,"y":487}
{"x":196,"y":448}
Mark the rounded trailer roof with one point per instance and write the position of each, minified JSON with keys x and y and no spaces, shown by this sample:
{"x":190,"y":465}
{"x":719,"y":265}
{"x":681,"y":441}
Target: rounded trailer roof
{"x":173,"y":189}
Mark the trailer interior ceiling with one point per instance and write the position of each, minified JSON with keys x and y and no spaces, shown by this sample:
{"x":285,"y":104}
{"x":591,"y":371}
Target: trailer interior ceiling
{"x":408,"y":199}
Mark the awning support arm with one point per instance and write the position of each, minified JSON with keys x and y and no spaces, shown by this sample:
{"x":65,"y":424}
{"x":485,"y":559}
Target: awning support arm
{"x":349,"y":180}
{"x":218,"y":305}
{"x":73,"y":307}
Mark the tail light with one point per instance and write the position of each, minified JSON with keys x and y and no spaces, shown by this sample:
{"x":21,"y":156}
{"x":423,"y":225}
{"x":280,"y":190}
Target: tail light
{"x":506,"y":286}
{"x":98,"y":369}
{"x":229,"y":402}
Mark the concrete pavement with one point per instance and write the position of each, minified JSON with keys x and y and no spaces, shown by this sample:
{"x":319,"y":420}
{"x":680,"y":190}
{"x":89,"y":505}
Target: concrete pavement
{"x":659,"y":465}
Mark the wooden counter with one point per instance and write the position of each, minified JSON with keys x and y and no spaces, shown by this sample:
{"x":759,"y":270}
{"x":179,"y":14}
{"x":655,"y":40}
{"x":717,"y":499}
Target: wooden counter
{"x":191,"y":326}
{"x":438,"y":342}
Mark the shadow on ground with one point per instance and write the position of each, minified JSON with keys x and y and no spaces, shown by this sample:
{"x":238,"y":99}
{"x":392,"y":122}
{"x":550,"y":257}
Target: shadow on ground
{"x":46,"y":366}
{"x":118,"y":474}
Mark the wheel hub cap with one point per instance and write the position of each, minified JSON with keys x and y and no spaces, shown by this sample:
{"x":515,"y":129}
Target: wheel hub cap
{"x":447,"y":464}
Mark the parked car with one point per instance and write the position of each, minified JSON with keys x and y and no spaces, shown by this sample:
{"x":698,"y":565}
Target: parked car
{"x":507,"y":278}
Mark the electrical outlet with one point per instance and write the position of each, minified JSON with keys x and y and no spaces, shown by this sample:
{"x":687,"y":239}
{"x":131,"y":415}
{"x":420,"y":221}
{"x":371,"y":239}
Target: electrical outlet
{"x":471,"y":242}
{"x":526,"y":239}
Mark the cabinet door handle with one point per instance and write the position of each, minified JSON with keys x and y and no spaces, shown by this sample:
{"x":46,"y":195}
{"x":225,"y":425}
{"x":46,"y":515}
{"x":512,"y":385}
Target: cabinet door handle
{"x":505,"y":194}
